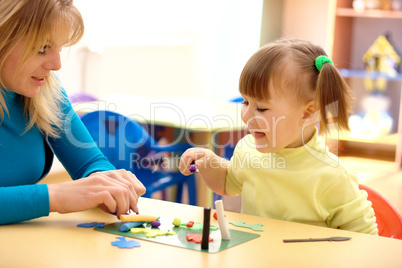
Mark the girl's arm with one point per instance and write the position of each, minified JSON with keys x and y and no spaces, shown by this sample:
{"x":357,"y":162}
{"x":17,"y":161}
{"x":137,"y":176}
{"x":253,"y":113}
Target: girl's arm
{"x":211,"y":167}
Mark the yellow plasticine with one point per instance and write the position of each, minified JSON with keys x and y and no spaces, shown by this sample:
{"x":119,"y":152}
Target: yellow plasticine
{"x":176,"y":222}
{"x":151,"y":232}
{"x":132,"y":218}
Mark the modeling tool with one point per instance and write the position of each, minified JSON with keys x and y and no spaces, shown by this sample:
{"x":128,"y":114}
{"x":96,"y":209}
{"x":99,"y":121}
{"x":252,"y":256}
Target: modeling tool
{"x":205,"y":229}
{"x":330,"y":239}
{"x":223,"y":226}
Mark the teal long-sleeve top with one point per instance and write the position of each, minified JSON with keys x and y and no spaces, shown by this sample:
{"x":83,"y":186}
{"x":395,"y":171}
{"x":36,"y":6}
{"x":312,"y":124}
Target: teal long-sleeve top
{"x":26,"y":157}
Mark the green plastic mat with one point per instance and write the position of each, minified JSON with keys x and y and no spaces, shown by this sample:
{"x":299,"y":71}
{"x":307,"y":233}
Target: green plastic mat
{"x":179,"y":239}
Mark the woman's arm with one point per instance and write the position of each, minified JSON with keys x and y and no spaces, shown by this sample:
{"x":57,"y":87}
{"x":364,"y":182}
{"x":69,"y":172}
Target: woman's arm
{"x":115,"y":190}
{"x":75,"y":147}
{"x":21,"y":203}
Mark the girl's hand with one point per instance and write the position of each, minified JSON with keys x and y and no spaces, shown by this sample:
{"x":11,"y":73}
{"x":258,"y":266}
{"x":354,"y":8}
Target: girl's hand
{"x":197,"y":156}
{"x":116,"y":190}
{"x":212,"y":168}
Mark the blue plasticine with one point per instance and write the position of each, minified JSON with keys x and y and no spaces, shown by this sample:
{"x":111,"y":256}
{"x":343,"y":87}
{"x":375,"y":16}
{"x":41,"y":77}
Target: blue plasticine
{"x":92,"y":224}
{"x":125,"y":227}
{"x":123,"y":243}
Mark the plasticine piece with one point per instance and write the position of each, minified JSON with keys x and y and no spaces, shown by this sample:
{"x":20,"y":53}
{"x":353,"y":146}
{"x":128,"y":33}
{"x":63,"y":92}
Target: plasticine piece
{"x":123,"y":243}
{"x":190,"y":224}
{"x":176,"y":222}
{"x":216,"y":215}
{"x":223,"y":226}
{"x":151,"y":232}
{"x":255,"y":227}
{"x":197,"y":226}
{"x":155,"y":224}
{"x":205,"y":229}
{"x":193,"y":168}
{"x":92,"y":224}
{"x":196,"y":238}
{"x":132,"y":217}
{"x":125,"y":227}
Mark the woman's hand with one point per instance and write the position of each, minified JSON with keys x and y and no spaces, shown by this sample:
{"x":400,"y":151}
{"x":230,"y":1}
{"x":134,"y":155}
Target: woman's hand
{"x":116,"y":190}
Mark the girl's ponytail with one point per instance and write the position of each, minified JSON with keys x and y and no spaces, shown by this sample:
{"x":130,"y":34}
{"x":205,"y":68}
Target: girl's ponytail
{"x":333,"y":96}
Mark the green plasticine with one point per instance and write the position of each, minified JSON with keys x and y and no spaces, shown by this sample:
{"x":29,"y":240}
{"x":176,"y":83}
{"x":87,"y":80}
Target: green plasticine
{"x":255,"y":227}
{"x":197,"y":226}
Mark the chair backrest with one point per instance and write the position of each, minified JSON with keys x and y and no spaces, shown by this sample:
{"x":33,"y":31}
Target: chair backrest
{"x":118,"y":137}
{"x":237,"y":99}
{"x":388,"y":219}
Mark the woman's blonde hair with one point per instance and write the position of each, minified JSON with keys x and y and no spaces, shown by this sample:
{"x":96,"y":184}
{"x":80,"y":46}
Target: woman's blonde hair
{"x":290,"y":65}
{"x":36,"y":22}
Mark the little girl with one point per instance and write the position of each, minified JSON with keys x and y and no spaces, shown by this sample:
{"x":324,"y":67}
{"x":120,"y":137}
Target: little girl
{"x":292,"y":94}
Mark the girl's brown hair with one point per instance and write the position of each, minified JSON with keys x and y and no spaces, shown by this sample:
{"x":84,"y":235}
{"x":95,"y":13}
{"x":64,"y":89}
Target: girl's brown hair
{"x":38,"y":22}
{"x":290,"y":65}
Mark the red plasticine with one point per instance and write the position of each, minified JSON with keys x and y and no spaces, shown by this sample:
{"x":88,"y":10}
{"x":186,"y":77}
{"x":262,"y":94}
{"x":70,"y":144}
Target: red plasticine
{"x":190,"y":224}
{"x":216,"y":216}
{"x":196,"y":238}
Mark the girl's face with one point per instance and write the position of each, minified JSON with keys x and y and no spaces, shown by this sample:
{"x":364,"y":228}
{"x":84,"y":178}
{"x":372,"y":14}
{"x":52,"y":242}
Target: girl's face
{"x":276,"y":123}
{"x":28,"y":79}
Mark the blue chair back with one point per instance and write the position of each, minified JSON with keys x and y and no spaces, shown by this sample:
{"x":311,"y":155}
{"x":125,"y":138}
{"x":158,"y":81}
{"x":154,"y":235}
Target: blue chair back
{"x":237,"y":99}
{"x":119,"y":137}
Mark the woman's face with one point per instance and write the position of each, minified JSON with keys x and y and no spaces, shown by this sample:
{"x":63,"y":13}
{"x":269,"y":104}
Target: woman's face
{"x":28,"y":79}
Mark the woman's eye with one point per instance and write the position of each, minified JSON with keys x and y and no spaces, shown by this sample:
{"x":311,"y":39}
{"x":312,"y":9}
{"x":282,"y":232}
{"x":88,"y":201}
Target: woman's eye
{"x":244,"y":103}
{"x":261,"y":109}
{"x":43,"y":50}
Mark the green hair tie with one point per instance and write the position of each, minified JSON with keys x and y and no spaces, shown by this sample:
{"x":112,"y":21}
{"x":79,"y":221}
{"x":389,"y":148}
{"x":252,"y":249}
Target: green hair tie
{"x":320,"y":61}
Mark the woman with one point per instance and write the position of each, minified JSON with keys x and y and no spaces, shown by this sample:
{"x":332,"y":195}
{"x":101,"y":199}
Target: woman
{"x":37,"y":121}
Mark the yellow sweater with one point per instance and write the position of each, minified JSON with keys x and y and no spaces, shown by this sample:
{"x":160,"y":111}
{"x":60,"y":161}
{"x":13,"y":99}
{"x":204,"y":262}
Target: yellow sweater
{"x":306,"y":184}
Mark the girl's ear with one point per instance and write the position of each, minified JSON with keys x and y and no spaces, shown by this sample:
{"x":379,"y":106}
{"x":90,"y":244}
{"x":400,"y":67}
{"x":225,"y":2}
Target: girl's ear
{"x":309,"y":110}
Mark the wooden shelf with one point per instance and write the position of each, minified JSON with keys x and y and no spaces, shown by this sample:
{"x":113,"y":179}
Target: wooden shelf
{"x":391,"y":139}
{"x":384,"y":148}
{"x":346,"y":35}
{"x":373,"y":13}
{"x":349,"y":73}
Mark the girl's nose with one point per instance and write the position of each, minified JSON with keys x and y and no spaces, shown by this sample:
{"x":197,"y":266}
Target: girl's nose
{"x":246,"y":113}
